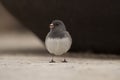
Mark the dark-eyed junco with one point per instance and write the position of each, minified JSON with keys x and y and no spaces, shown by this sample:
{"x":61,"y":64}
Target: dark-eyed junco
{"x":58,"y":40}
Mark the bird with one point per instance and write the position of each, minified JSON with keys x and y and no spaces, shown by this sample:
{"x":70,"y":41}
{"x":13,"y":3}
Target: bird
{"x":58,"y":40}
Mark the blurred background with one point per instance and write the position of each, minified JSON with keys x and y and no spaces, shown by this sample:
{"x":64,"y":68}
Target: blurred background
{"x":93,"y":25}
{"x":14,"y":36}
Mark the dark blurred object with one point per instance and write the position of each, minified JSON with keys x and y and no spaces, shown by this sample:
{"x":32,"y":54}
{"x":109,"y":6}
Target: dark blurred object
{"x":8,"y":23}
{"x":93,"y":24}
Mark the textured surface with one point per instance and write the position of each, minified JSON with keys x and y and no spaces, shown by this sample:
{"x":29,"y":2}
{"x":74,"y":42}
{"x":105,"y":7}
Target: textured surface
{"x":31,"y":66}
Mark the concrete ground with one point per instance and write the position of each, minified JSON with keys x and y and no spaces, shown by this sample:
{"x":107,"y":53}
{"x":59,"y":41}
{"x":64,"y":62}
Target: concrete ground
{"x":23,"y":57}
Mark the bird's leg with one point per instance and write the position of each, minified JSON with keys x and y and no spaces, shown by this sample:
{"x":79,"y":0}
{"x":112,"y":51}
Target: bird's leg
{"x":52,"y":60}
{"x":64,"y":60}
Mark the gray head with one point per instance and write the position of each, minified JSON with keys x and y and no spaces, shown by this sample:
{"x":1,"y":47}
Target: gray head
{"x":57,"y":29}
{"x":57,"y":25}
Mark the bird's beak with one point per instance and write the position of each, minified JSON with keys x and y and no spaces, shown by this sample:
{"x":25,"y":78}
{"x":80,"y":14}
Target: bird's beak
{"x":51,"y":26}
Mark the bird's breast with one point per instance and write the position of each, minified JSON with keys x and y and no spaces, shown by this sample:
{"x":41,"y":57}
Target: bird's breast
{"x":58,"y":46}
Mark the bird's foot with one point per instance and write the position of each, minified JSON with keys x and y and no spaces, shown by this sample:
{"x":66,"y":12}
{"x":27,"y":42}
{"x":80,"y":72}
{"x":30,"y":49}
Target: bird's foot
{"x":52,"y":61}
{"x":64,"y":61}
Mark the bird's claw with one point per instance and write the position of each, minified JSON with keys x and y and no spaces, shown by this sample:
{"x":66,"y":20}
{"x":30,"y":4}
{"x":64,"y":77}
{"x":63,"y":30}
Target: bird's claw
{"x":52,"y":61}
{"x":64,"y":61}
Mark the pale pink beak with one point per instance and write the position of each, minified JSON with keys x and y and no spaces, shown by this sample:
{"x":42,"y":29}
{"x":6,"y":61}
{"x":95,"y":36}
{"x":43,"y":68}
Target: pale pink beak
{"x":51,"y":26}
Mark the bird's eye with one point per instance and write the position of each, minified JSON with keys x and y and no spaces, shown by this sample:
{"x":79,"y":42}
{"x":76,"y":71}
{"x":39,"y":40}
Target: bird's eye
{"x":56,"y":24}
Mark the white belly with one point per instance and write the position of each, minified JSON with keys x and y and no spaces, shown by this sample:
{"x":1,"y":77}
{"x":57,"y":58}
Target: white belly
{"x":58,"y":46}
